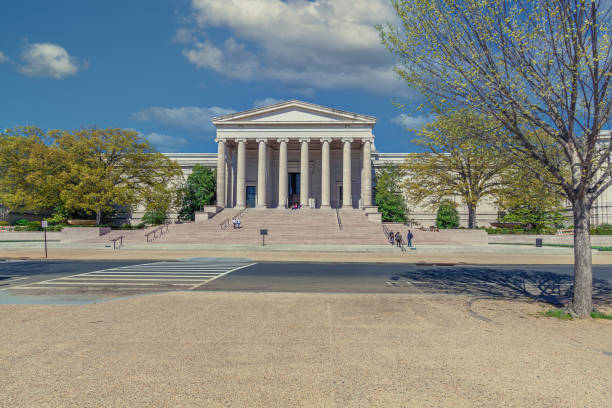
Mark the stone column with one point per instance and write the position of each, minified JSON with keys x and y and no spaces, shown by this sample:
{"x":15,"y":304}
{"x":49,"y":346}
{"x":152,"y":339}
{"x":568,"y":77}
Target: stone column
{"x":220,"y":172}
{"x":283,"y":183}
{"x":261,"y":174}
{"x":366,"y":180}
{"x":347,"y":197}
{"x":304,"y":173}
{"x":241,"y":174}
{"x":325,"y":173}
{"x":229,"y":177}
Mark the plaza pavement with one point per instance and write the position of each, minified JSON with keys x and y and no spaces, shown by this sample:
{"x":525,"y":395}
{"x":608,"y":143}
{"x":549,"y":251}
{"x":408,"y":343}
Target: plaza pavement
{"x":491,"y":255}
{"x":284,"y":350}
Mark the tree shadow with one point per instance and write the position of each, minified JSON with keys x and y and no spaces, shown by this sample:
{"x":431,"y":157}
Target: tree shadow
{"x":552,"y":288}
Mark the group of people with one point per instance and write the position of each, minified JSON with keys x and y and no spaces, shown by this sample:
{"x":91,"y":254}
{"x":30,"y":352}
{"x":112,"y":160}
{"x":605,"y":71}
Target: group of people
{"x":396,"y":238}
{"x":236,"y":222}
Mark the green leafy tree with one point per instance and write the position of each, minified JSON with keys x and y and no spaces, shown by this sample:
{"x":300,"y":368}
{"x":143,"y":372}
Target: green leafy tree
{"x":525,"y":199}
{"x":539,"y":65}
{"x":28,"y":170}
{"x":459,"y":163}
{"x":200,"y":190}
{"x":447,"y":216}
{"x":106,"y":168}
{"x":388,"y":195}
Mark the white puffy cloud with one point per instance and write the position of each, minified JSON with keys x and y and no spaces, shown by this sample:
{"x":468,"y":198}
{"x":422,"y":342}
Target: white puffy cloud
{"x":412,"y":122}
{"x":3,"y":58}
{"x":323,"y":44}
{"x":192,"y":118}
{"x":165,"y":143}
{"x":266,"y":101}
{"x":47,"y":60}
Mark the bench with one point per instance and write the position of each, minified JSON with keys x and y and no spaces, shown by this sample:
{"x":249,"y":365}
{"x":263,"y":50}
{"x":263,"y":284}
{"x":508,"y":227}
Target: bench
{"x":114,"y":241}
{"x":565,"y":232}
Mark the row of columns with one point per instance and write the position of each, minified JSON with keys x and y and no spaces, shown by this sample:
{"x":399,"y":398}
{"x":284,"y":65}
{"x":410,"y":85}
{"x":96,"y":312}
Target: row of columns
{"x":366,"y":183}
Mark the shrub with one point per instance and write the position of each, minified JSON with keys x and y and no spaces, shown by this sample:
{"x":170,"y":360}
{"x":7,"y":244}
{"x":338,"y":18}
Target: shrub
{"x":447,"y":216}
{"x":141,"y":225}
{"x":33,"y":226}
{"x":603,"y":229}
{"x":126,"y":227}
{"x":153,"y":218}
{"x":22,"y":222}
{"x":56,"y":228}
{"x":4,"y":224}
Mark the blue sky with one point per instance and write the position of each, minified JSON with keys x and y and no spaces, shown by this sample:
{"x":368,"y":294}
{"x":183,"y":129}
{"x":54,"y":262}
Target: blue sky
{"x":166,"y":67}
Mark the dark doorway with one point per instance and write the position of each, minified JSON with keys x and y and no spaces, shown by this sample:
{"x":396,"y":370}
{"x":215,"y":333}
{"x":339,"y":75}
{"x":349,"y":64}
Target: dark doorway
{"x":251,"y":194}
{"x":340,"y":195}
{"x":294,"y":188}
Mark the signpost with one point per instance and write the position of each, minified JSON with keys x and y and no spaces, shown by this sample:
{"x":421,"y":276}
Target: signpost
{"x":263,"y":233}
{"x":44,"y":225}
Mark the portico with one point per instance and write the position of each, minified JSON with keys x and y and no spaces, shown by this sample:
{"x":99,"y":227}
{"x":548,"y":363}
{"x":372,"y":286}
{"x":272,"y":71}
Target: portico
{"x":294,"y":153}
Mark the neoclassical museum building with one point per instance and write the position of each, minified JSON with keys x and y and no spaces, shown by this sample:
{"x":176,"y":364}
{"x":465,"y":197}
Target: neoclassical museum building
{"x":297,"y":153}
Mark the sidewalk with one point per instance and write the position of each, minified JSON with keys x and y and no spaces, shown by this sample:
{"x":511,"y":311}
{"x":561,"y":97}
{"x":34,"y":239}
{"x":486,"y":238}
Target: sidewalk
{"x":498,"y":254}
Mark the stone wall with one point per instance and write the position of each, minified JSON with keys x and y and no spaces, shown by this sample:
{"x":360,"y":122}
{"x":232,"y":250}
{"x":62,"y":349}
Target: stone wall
{"x":66,"y":235}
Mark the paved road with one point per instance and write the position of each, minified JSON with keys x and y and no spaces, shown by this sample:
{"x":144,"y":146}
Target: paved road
{"x":545,"y":282}
{"x":132,"y":276}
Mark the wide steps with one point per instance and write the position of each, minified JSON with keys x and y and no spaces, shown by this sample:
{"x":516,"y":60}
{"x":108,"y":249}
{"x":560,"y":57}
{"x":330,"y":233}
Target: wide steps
{"x":304,"y":226}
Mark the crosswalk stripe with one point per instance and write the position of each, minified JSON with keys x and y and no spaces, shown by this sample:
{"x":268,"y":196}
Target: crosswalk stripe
{"x":144,"y":276}
{"x":108,"y":283}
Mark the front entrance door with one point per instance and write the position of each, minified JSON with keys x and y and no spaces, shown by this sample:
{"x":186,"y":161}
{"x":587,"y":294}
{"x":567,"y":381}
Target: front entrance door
{"x":251,"y":194}
{"x":294,"y":188}
{"x":340,"y":195}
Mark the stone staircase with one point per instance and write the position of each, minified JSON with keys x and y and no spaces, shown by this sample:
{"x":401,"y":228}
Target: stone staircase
{"x":303,"y":226}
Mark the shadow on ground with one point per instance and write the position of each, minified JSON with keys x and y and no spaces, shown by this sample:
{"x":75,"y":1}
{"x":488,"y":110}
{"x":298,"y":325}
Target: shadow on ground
{"x":548,"y":287}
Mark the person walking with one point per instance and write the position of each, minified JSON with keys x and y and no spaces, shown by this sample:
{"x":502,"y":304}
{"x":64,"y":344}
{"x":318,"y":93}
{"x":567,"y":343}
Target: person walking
{"x":391,"y":237}
{"x":409,"y":237}
{"x":398,"y":239}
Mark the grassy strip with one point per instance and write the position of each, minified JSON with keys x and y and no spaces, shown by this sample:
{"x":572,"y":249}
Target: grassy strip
{"x":30,"y":240}
{"x":558,"y":313}
{"x":600,"y":315}
{"x":563,"y":315}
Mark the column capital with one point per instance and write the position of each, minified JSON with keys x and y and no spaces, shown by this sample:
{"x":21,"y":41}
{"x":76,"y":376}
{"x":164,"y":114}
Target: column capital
{"x":261,"y":139}
{"x":325,"y":139}
{"x":367,"y":139}
{"x":220,"y":139}
{"x":283,"y":139}
{"x":304,"y":140}
{"x":241,"y":140}
{"x":347,"y":139}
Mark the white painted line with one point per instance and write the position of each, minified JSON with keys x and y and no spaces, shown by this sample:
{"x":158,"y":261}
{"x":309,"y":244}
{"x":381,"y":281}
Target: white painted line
{"x":129,"y":279}
{"x":110,"y":283}
{"x":165,"y":275}
{"x":58,"y":286}
{"x":61,"y":277}
{"x":223,"y":274}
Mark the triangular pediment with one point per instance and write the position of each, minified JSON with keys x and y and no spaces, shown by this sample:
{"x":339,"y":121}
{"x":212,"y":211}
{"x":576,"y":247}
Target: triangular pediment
{"x":294,"y":112}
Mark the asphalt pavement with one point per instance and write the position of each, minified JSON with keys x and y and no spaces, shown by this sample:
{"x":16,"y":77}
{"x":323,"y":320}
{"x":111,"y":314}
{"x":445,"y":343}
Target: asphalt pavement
{"x":550,"y":283}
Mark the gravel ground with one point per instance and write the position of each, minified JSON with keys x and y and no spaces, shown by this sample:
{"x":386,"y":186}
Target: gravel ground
{"x":284,"y":350}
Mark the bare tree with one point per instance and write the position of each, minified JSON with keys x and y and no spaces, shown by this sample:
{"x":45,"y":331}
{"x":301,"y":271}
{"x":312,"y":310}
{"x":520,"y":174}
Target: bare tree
{"x":536,"y":66}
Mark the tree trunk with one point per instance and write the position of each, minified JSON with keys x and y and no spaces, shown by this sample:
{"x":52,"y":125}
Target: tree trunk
{"x":582,"y":301}
{"x":471,"y":216}
{"x":98,"y":217}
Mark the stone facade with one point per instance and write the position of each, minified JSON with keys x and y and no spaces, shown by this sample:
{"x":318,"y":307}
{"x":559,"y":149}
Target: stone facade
{"x":276,"y":145}
{"x":294,"y":153}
